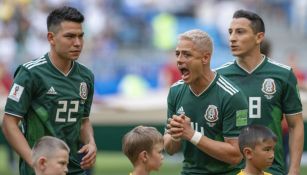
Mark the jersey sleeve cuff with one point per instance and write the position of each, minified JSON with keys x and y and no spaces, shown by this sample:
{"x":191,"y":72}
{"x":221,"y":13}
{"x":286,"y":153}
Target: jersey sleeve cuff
{"x":15,"y":115}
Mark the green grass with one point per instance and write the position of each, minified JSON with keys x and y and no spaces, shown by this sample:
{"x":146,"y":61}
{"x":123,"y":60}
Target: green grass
{"x":115,"y":163}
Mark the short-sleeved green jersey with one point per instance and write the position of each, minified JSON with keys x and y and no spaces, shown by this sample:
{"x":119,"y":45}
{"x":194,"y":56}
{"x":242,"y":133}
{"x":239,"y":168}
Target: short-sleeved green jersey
{"x":219,"y":112}
{"x":51,"y":103}
{"x":272,"y":90}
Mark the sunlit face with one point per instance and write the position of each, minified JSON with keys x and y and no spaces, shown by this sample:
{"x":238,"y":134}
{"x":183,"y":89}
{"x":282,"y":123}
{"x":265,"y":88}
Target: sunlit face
{"x":242,"y":39}
{"x":263,"y":154}
{"x":57,"y":164}
{"x":67,"y":41}
{"x":155,"y":157}
{"x":189,"y":61}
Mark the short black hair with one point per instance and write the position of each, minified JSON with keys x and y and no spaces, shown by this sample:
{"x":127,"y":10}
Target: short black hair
{"x":257,"y":23}
{"x":252,"y":135}
{"x":266,"y":47}
{"x":61,"y":14}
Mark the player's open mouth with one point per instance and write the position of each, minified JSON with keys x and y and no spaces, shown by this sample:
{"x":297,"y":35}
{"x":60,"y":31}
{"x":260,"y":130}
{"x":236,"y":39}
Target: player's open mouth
{"x":184,"y":73}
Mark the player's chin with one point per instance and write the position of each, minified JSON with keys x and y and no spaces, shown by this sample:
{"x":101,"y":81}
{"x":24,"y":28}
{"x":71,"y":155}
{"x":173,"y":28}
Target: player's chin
{"x":74,"y":55}
{"x":73,"y":58}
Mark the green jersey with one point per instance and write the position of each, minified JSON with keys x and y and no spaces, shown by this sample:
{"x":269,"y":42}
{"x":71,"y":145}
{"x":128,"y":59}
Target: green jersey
{"x":219,"y":112}
{"x":271,"y":90}
{"x":51,"y":103}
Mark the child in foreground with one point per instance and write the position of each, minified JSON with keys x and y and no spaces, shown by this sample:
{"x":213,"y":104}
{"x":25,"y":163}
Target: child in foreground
{"x":143,"y":146}
{"x":257,"y":145}
{"x":50,"y":156}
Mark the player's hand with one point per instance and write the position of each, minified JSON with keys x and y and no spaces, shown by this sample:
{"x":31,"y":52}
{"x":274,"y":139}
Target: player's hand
{"x":174,"y":126}
{"x":187,"y":129}
{"x":89,"y":158}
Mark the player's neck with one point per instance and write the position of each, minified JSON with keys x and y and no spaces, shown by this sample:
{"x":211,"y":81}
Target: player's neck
{"x":198,"y":87}
{"x":62,"y":65}
{"x":249,"y":63}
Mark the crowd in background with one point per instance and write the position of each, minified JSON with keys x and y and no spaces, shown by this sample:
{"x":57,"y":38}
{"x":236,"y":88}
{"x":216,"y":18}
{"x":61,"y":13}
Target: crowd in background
{"x":130,"y":37}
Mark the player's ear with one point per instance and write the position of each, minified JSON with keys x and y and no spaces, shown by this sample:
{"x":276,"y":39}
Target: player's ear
{"x":50,"y":37}
{"x":248,"y":152}
{"x":206,"y":57}
{"x":259,"y":37}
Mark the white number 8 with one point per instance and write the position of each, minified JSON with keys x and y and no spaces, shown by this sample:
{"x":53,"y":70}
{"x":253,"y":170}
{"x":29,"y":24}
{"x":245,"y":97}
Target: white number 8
{"x":254,"y":107}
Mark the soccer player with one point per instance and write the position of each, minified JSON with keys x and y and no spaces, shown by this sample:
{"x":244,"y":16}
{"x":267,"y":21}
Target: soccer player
{"x":50,"y":156}
{"x":52,"y":95}
{"x":257,"y":144}
{"x":271,"y":88}
{"x":205,"y":111}
{"x":143,"y":146}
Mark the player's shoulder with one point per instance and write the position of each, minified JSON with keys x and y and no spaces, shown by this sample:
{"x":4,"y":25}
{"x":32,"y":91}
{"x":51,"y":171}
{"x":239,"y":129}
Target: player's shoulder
{"x":225,"y":67}
{"x":83,"y":67}
{"x":226,"y":85}
{"x":278,"y":66}
{"x":34,"y":64}
{"x":84,"y":70}
{"x":278,"y":70}
{"x":177,"y":84}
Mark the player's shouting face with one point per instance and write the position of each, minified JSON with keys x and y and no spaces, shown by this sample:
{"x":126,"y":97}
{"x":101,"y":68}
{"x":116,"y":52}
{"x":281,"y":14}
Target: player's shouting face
{"x":190,"y":61}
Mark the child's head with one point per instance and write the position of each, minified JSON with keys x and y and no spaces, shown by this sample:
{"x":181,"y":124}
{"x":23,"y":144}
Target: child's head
{"x":144,"y":145}
{"x":257,"y":144}
{"x":50,"y":156}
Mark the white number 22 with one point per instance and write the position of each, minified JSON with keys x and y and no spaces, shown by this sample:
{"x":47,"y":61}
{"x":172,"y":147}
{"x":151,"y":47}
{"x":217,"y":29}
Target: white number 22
{"x":64,"y":109}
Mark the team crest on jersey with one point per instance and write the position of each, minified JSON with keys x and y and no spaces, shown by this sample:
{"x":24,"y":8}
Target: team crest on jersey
{"x":83,"y":90}
{"x":211,"y":115}
{"x":269,"y":87}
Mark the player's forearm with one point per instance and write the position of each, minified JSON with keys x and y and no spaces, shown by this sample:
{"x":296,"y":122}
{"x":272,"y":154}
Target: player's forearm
{"x":171,"y":146}
{"x":87,"y":133}
{"x":296,"y":144}
{"x":223,"y":151}
{"x":16,"y":139}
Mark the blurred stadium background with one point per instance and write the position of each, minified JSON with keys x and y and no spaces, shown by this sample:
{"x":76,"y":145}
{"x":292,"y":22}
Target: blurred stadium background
{"x":129,"y":46}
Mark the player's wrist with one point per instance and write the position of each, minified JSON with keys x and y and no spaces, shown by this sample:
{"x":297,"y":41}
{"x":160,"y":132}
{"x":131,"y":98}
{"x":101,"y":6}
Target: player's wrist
{"x":196,"y":138}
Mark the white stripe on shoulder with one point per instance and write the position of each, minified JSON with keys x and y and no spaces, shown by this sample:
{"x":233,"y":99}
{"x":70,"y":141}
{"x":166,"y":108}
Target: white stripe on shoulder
{"x":224,"y":84}
{"x":225,"y":89}
{"x":178,"y":83}
{"x":225,"y":65}
{"x":33,"y":61}
{"x":279,"y":64}
{"x":37,"y":62}
{"x":40,"y":63}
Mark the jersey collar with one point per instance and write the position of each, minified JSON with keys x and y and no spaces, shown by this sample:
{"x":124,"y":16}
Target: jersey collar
{"x":49,"y":60}
{"x":259,"y":65}
{"x":208,"y":87}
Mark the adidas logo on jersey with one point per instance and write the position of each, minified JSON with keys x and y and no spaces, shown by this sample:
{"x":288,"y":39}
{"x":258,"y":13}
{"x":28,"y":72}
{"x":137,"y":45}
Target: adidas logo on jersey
{"x":180,"y":110}
{"x":51,"y":91}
